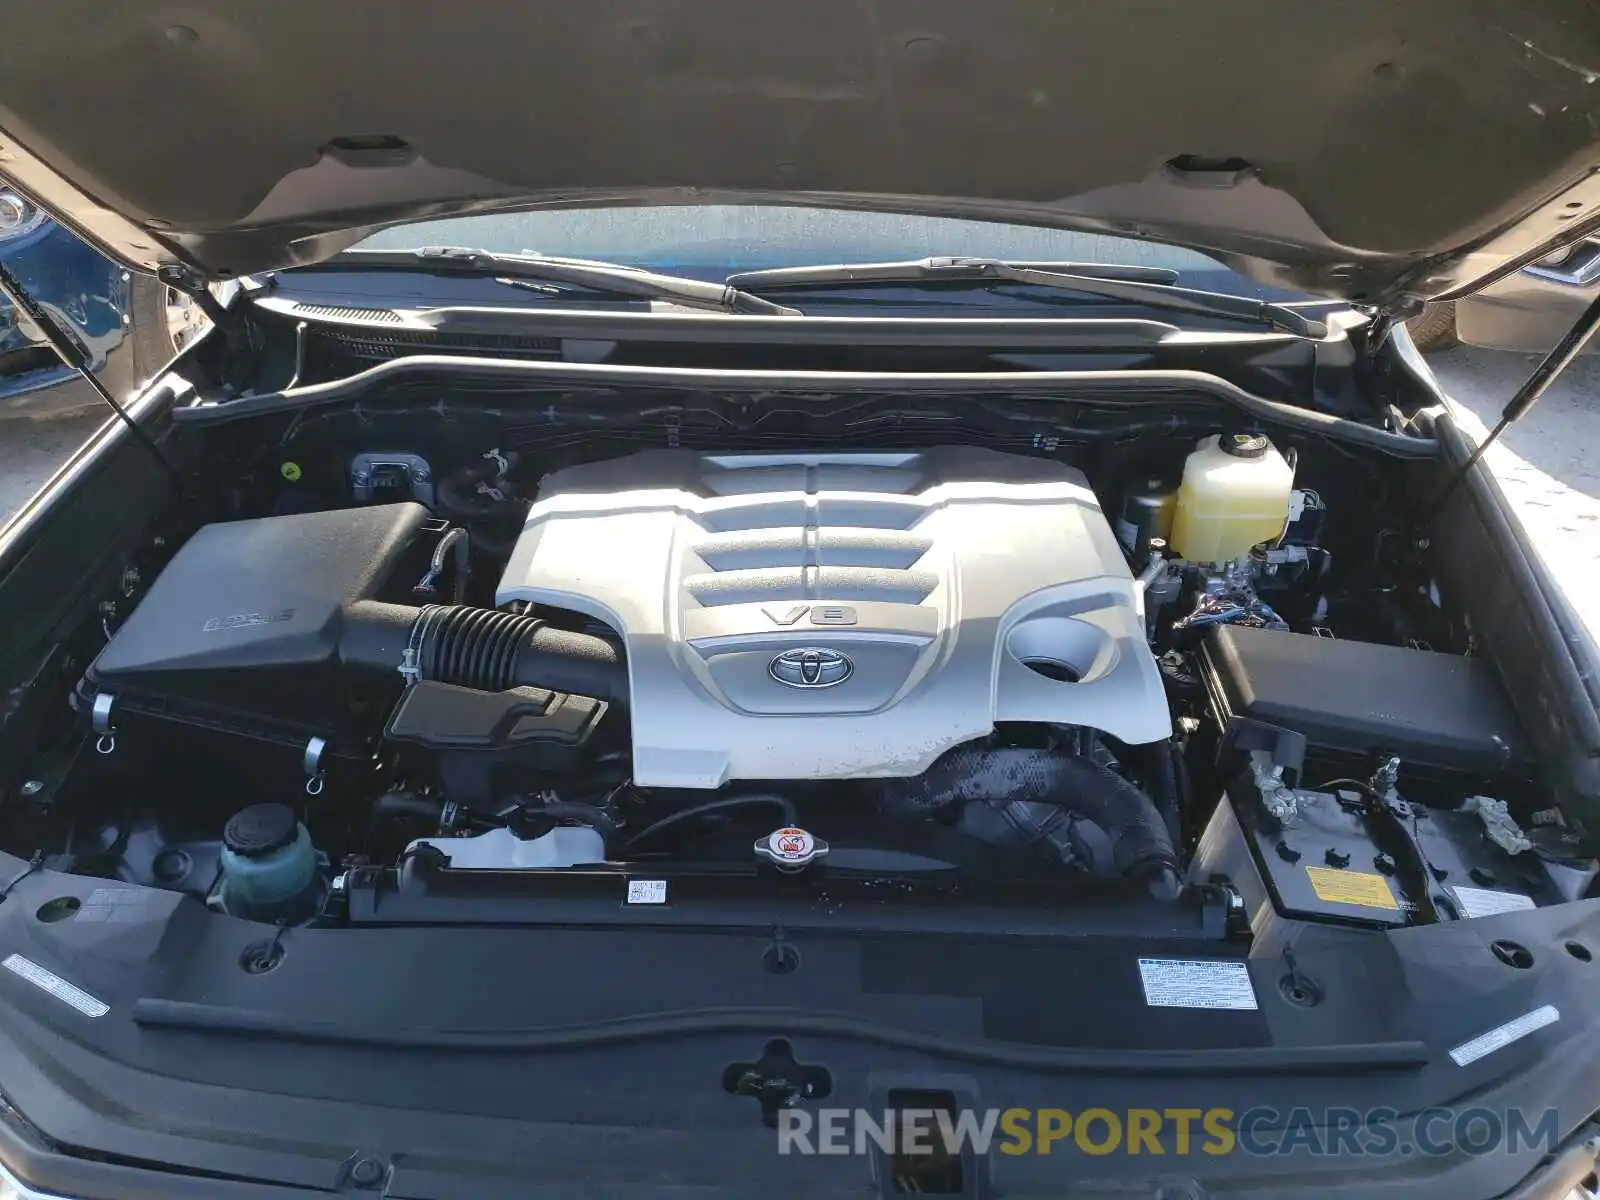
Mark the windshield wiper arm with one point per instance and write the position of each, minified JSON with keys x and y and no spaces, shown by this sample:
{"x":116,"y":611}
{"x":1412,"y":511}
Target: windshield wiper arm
{"x":609,"y":278}
{"x":1137,"y":285}
{"x":942,"y":268}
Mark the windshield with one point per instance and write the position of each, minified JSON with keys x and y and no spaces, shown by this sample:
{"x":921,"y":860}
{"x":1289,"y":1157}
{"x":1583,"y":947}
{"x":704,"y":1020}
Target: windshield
{"x":712,"y":241}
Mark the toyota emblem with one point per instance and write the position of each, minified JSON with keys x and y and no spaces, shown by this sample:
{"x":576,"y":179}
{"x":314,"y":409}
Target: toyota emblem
{"x":810,"y":667}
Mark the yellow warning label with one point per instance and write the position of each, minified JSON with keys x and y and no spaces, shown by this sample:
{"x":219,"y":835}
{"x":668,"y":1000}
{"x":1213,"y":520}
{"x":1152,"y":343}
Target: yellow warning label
{"x":1351,"y":887}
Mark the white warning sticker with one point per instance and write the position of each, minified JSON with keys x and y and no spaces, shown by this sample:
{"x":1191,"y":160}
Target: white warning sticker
{"x":58,"y":987}
{"x":1196,"y":983}
{"x":1499,"y":1039}
{"x":647,"y":891}
{"x":1483,"y":902}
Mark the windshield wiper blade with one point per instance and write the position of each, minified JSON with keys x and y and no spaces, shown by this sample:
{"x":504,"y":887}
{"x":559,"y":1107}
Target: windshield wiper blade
{"x":942,"y":268}
{"x":1154,"y":286}
{"x":610,"y":278}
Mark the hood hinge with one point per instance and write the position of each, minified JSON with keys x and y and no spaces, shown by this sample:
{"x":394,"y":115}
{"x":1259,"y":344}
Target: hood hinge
{"x":230,"y":323}
{"x":1379,"y":331}
{"x":76,"y":355}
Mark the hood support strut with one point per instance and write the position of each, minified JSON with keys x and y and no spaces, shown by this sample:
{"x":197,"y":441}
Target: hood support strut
{"x":1546,"y":373}
{"x":75,"y":355}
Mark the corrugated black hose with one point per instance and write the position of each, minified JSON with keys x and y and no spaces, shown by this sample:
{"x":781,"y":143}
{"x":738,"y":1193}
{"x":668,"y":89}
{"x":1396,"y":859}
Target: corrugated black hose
{"x":1019,"y":798}
{"x":483,"y":648}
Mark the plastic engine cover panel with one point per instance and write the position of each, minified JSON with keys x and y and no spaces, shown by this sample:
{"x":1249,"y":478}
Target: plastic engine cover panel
{"x":841,"y":616}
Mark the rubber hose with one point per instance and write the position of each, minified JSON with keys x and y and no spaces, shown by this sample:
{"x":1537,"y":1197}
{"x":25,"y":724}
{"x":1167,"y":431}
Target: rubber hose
{"x":1183,"y":788}
{"x":570,"y":810}
{"x":494,"y":651}
{"x":1163,"y":784}
{"x":457,"y":539}
{"x":596,"y":818}
{"x":396,"y":805}
{"x":565,"y":661}
{"x":481,"y":648}
{"x":1141,"y":847}
{"x":471,"y":647}
{"x":695,"y":811}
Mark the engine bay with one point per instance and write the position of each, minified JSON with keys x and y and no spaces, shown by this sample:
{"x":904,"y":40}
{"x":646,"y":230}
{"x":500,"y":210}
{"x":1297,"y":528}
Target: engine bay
{"x":431,"y":684}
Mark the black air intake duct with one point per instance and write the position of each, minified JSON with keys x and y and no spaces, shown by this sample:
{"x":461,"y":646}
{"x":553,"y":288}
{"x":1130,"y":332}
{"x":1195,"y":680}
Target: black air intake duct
{"x":483,"y":648}
{"x":1030,"y":799}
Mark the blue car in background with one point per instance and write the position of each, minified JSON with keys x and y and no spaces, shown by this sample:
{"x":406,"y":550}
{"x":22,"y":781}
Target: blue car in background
{"x":131,"y":324}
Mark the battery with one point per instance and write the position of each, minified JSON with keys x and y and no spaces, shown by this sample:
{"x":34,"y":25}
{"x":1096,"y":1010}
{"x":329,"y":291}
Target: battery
{"x":1336,"y":857}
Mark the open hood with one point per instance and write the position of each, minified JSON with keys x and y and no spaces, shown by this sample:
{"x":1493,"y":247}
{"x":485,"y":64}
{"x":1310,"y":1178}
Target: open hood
{"x":1374,"y":150}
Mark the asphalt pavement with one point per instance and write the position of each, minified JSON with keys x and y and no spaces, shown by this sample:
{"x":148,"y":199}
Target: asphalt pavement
{"x":1548,"y":463}
{"x":31,"y":450}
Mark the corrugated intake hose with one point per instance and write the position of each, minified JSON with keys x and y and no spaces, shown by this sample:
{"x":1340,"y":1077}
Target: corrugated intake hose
{"x":494,"y":651}
{"x":483,"y":648}
{"x":472,"y":647}
{"x":1073,"y":809}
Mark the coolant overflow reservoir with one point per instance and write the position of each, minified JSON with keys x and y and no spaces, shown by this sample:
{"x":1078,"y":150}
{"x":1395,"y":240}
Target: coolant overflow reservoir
{"x":1234,"y":495}
{"x":269,"y":867}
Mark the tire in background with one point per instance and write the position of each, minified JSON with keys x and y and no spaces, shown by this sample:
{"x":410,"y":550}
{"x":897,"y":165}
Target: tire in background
{"x":153,"y":342}
{"x":1435,"y":327}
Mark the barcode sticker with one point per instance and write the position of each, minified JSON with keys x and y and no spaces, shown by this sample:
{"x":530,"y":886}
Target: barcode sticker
{"x":1502,"y":1036}
{"x":58,"y":987}
{"x":647,"y":891}
{"x":1485,"y":902}
{"x":1196,"y":983}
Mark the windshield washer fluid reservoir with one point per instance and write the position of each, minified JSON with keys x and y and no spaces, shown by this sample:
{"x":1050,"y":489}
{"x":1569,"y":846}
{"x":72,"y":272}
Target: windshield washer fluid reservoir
{"x":1234,"y":495}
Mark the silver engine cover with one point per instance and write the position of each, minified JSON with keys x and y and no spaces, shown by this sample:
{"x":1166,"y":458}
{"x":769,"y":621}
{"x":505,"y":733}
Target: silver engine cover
{"x":838,"y":616}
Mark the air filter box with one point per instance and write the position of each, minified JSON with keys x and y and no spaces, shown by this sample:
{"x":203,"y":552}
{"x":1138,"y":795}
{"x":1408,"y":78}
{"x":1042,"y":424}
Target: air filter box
{"x":239,"y":636}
